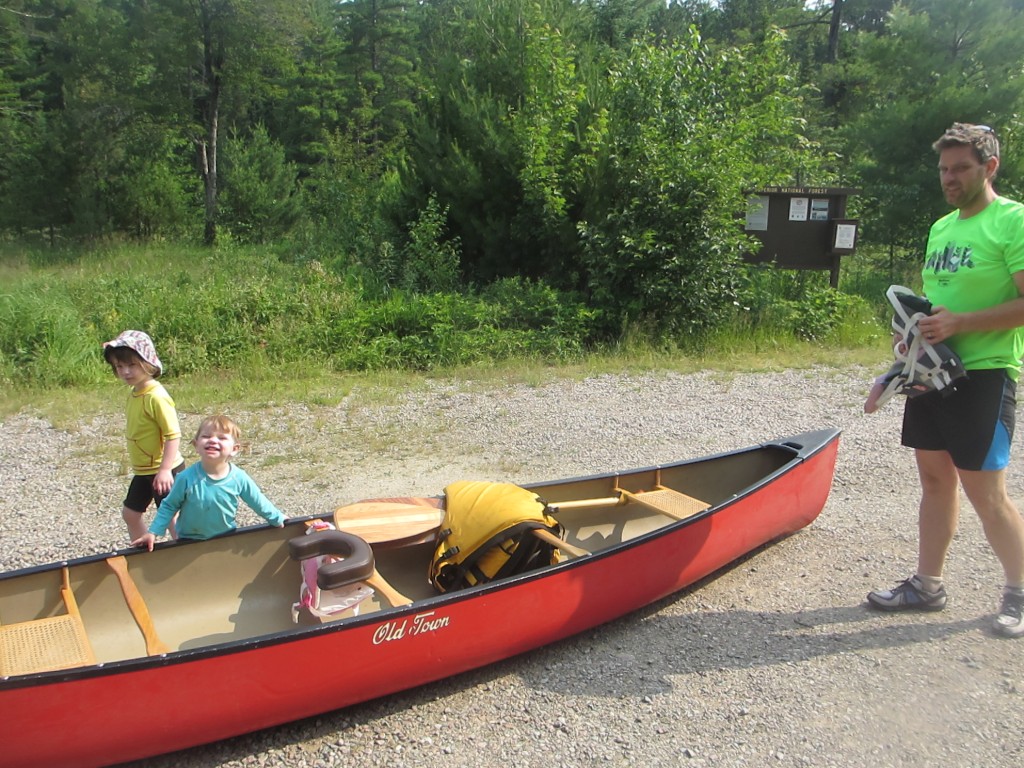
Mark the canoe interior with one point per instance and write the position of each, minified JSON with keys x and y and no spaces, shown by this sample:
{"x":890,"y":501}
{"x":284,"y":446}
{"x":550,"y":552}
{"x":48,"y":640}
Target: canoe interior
{"x":243,"y":586}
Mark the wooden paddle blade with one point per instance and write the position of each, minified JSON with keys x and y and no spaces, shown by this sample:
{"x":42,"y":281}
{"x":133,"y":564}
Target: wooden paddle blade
{"x":390,"y":521}
{"x":393,"y":596}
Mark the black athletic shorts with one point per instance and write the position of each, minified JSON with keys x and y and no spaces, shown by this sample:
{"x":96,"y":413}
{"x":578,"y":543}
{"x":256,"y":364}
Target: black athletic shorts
{"x":140,"y":492}
{"x":974,"y":423}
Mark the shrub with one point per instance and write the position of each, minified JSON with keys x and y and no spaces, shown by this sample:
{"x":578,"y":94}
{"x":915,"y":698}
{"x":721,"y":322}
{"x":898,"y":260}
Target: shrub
{"x":688,"y":128}
{"x":260,"y":200}
{"x":202,"y":317}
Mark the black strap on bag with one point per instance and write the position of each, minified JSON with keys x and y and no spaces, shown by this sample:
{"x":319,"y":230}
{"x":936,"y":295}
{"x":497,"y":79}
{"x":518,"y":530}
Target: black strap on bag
{"x":525,"y":550}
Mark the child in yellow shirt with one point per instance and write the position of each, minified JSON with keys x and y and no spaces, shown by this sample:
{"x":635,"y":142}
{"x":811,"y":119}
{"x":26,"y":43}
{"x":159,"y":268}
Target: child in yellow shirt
{"x":152,"y":428}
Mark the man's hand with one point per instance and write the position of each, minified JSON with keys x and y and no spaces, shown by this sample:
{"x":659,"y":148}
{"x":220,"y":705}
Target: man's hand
{"x":940,"y":325}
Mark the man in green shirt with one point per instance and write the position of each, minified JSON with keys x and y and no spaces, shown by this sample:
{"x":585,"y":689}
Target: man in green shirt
{"x":974,"y":277}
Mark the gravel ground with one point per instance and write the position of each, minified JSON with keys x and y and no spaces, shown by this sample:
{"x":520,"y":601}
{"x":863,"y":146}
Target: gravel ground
{"x":772,"y":661}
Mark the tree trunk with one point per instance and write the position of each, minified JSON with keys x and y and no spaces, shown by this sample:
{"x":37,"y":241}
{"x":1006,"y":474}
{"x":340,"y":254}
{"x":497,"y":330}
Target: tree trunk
{"x":833,"y":30}
{"x":213,"y":61}
{"x":209,"y":160}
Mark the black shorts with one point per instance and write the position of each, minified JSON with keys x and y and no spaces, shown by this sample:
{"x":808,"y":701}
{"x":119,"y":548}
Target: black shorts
{"x":140,"y":491}
{"x":974,"y":424}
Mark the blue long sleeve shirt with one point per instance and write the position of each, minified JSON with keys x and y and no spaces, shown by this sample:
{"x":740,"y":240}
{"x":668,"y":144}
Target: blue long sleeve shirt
{"x":207,"y":507}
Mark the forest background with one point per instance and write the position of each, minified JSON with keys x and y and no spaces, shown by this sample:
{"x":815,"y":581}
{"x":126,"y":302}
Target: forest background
{"x":380,"y":185}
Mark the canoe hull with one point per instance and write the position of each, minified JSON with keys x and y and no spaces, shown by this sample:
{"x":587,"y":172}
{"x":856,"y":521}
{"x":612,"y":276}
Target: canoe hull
{"x":125,"y":711}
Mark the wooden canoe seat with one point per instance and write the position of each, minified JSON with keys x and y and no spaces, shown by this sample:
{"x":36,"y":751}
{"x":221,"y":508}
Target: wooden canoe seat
{"x":44,"y":645}
{"x":668,"y":502}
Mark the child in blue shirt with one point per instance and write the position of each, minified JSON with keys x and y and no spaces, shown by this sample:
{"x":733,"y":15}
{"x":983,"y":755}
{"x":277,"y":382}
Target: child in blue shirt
{"x":205,"y":496}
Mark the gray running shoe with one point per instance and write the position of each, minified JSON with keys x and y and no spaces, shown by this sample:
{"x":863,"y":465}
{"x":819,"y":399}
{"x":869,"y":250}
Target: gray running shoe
{"x":1009,"y":622}
{"x":911,"y":596}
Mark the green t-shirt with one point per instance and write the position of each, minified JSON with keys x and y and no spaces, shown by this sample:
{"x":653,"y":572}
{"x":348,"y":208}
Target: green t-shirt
{"x":969,"y":266}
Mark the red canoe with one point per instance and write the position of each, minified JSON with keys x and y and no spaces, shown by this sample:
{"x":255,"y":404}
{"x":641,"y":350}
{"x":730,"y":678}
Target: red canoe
{"x":105,"y":659}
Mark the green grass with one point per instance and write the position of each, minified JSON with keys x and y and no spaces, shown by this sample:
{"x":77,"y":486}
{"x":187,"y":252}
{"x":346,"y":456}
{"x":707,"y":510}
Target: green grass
{"x":239,"y":326}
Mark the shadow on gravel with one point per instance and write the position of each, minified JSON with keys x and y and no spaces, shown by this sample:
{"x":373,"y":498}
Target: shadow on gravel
{"x":636,"y":660}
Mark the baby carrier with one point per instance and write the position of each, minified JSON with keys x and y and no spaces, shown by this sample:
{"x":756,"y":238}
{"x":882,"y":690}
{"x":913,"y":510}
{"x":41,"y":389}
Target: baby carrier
{"x":325,"y":602}
{"x":920,"y":366}
{"x":488,"y":532}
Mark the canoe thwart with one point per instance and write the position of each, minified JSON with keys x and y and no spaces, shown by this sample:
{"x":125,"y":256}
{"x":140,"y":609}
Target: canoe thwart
{"x":563,"y":546}
{"x":607,"y":501}
{"x":667,"y":501}
{"x":154,"y":645}
{"x":43,"y":645}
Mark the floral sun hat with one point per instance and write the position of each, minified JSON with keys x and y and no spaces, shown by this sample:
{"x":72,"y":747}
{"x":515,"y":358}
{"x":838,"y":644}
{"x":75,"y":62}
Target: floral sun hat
{"x":141,"y":343}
